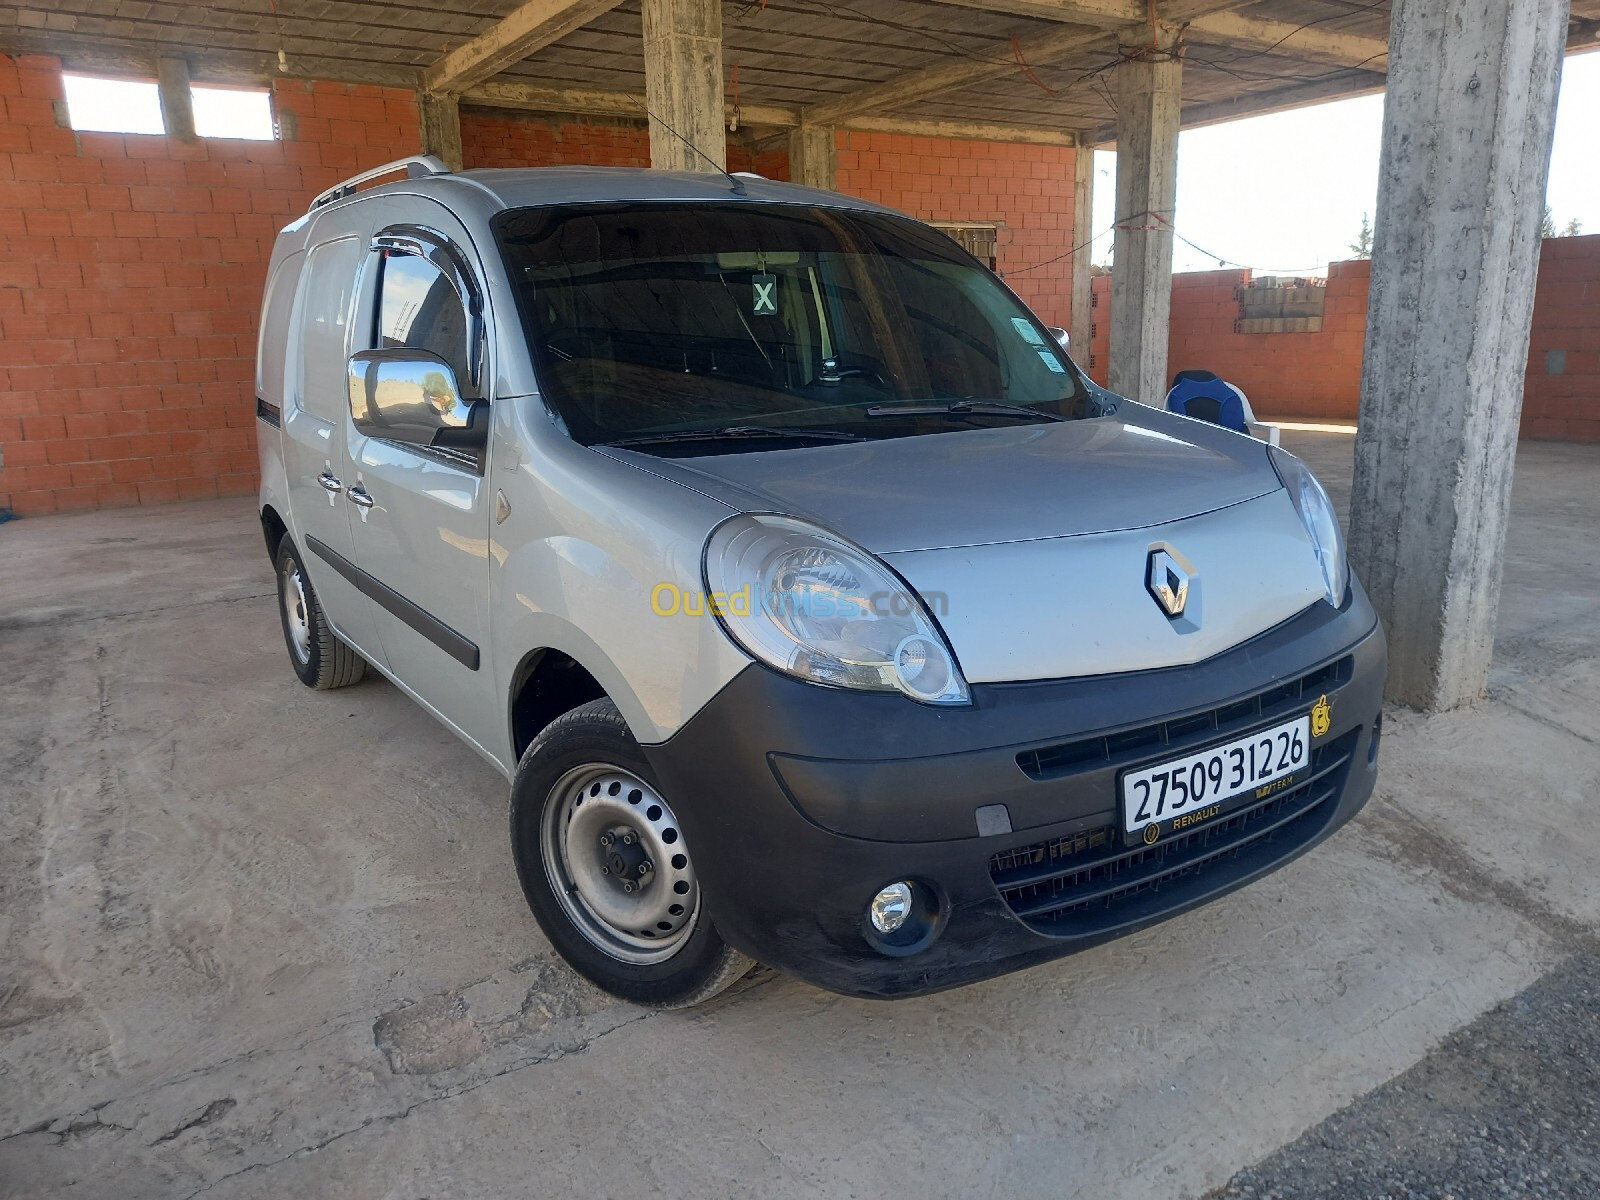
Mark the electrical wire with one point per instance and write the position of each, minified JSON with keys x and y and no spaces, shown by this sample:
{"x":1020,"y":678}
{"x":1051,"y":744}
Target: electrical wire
{"x":1161,"y":223}
{"x":1027,"y":71}
{"x":1057,"y":258}
{"x":1350,"y":10}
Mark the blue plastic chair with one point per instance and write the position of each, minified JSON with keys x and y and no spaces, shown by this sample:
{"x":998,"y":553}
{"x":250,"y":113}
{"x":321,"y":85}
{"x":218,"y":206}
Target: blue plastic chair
{"x":1202,"y":395}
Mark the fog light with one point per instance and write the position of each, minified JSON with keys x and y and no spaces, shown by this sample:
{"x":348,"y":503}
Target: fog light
{"x":890,"y":908}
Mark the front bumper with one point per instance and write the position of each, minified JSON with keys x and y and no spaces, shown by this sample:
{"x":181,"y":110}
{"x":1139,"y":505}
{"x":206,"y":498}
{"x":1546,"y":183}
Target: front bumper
{"x":801,"y":802}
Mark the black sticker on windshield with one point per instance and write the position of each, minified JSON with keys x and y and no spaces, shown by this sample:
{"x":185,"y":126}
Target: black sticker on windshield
{"x":764,"y":295}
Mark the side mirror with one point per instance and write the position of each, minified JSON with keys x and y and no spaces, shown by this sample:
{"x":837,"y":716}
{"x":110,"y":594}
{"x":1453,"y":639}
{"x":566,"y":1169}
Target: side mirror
{"x":1062,"y":336}
{"x":411,"y":396}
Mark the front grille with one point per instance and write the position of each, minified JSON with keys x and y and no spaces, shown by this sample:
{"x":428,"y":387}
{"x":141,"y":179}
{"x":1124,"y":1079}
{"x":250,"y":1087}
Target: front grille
{"x":1090,"y":881}
{"x":1064,"y":758}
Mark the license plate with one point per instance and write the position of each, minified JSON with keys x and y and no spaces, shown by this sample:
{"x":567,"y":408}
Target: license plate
{"x":1179,"y":793}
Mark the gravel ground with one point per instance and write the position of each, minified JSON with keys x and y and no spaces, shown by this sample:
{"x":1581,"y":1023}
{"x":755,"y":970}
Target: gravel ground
{"x":1507,"y":1107}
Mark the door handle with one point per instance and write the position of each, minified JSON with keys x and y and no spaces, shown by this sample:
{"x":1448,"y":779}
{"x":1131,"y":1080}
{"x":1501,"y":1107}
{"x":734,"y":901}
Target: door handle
{"x":359,"y":496}
{"x":329,"y":483}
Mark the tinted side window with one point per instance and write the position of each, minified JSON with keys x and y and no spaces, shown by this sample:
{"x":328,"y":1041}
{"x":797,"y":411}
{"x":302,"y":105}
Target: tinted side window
{"x":321,"y":326}
{"x":420,"y":308}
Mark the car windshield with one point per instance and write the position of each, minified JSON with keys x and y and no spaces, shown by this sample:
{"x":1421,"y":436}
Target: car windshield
{"x":750,"y":324}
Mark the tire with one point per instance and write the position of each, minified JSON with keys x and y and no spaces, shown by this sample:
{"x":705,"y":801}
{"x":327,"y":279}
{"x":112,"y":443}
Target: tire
{"x":319,"y":658}
{"x":629,"y":916}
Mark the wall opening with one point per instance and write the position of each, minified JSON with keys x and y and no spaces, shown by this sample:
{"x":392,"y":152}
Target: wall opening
{"x":979,"y":240}
{"x":96,"y":104}
{"x":224,"y":112}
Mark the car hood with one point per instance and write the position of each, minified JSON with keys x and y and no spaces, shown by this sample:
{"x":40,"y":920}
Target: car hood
{"x":1013,"y":483}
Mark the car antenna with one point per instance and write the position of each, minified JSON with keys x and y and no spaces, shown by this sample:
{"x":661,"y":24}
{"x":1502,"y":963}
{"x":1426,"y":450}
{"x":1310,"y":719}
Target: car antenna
{"x":738,"y":184}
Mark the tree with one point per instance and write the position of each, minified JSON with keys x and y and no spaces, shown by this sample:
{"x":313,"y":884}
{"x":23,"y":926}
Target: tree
{"x":1573,"y":228}
{"x":1547,"y":227}
{"x":1362,"y":246}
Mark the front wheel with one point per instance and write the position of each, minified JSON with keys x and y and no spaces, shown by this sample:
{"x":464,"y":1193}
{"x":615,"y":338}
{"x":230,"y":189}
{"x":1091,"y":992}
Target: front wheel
{"x":606,"y":869}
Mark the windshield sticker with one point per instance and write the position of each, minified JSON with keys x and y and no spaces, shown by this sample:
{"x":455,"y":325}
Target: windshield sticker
{"x":764,"y":295}
{"x":1028,"y":332}
{"x":1047,"y":356}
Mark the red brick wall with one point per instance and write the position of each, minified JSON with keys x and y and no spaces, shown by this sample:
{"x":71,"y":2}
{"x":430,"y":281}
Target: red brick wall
{"x":130,"y":278}
{"x":1289,"y":374}
{"x":1566,"y":325}
{"x":499,"y":139}
{"x":133,"y":265}
{"x":1026,"y":189}
{"x":496,"y":138}
{"x":1286,"y":375}
{"x":1099,"y":330}
{"x":1318,"y":375}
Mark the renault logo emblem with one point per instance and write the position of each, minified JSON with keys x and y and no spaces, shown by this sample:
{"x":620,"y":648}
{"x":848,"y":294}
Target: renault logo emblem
{"x":1168,"y":581}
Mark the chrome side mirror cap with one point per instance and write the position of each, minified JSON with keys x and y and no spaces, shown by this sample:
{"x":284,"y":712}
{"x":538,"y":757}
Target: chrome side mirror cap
{"x":1062,"y":336}
{"x":410,"y":396}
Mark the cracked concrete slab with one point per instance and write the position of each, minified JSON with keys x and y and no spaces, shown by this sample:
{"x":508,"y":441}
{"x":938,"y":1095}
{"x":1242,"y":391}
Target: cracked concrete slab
{"x":259,"y":941}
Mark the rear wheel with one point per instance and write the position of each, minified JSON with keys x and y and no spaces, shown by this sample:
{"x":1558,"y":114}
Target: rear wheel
{"x":317,"y":655}
{"x":606,"y":868}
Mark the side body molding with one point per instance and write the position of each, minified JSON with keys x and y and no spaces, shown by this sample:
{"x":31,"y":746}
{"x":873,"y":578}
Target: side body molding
{"x":424,"y":622}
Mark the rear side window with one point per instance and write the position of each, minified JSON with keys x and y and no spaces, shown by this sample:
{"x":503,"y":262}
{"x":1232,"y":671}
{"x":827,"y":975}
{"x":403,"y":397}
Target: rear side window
{"x":271,"y":344}
{"x":322,"y":324}
{"x":420,"y":308}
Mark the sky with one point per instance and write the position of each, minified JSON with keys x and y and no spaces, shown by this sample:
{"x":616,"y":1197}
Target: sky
{"x":1284,"y":193}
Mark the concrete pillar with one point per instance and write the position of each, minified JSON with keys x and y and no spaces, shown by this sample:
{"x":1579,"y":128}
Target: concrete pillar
{"x":1466,"y":152}
{"x":440,"y":115}
{"x":812,"y":156}
{"x":177,"y":100}
{"x":683,"y":84}
{"x":1148,"y":95}
{"x":1083,"y":229}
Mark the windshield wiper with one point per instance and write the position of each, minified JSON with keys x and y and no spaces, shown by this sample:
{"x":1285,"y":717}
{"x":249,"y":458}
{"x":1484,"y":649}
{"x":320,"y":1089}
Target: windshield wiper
{"x":737,"y":431}
{"x":961,"y":408}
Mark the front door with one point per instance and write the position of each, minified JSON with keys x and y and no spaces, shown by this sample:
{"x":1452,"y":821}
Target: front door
{"x":316,"y":422}
{"x":420,"y":518}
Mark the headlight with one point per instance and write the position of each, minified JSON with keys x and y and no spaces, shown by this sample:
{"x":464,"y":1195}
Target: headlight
{"x":814,"y":606}
{"x":1321,"y":522}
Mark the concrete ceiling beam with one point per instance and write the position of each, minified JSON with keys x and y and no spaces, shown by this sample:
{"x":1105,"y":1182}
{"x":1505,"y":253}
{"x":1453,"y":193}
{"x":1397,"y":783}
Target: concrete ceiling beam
{"x":529,"y":28}
{"x":1037,"y":49}
{"x":1307,"y":43}
{"x":629,"y":106}
{"x":131,"y":56}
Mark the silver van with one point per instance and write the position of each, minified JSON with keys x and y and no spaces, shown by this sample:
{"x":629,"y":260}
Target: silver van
{"x":817,"y":607}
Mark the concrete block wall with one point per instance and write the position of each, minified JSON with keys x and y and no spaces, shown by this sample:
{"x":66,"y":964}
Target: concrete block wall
{"x":130,"y":279}
{"x":1318,"y":375}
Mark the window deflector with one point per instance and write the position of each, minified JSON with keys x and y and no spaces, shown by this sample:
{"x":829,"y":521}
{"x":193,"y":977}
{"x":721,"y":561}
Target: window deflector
{"x":438,"y":249}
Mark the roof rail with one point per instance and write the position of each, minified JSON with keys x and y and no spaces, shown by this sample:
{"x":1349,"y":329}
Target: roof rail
{"x":415,"y":166}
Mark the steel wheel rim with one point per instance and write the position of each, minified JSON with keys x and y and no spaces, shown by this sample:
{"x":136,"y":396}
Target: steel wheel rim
{"x":649,"y":922}
{"x":295,"y":605}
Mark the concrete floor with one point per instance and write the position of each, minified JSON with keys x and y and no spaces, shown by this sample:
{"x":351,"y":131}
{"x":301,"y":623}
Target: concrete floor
{"x":261,"y":942}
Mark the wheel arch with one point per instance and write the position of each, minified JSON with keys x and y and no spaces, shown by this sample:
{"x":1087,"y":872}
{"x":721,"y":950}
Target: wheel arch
{"x":274,"y":529}
{"x":547,"y":682}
